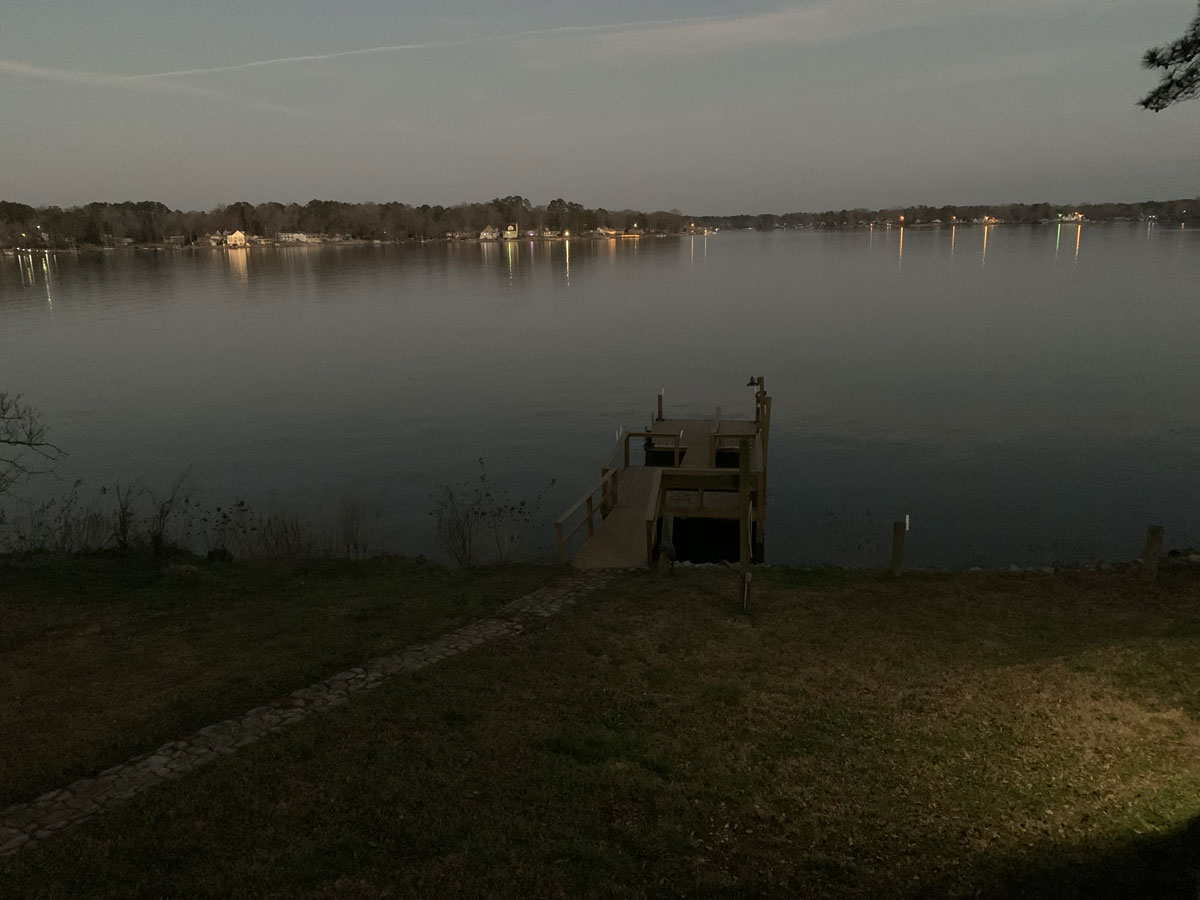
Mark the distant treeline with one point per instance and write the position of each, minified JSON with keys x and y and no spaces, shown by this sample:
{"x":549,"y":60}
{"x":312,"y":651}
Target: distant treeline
{"x":150,"y":222}
{"x":1016,"y":213}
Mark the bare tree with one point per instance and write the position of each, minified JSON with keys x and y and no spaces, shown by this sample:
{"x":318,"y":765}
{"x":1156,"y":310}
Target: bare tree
{"x":1181,"y":60}
{"x":24,"y":450}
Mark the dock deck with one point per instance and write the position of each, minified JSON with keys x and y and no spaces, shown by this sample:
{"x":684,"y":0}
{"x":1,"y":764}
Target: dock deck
{"x":702,"y":469}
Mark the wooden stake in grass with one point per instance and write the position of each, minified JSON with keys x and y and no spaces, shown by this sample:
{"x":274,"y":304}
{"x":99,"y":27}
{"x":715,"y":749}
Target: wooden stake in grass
{"x":898,"y":532}
{"x":1153,"y":552}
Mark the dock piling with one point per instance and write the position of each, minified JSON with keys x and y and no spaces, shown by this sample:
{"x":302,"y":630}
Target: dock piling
{"x":1153,"y":552}
{"x":898,"y":533}
{"x":744,"y":549}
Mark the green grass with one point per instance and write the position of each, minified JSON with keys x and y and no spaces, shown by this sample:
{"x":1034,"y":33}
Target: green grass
{"x":105,"y":658}
{"x":849,"y":736}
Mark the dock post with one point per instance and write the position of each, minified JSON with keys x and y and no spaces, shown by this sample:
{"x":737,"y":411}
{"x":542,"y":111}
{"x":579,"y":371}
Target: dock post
{"x":1153,"y":552}
{"x":660,"y":398}
{"x":744,"y":520}
{"x":898,"y":532}
{"x":666,"y":547}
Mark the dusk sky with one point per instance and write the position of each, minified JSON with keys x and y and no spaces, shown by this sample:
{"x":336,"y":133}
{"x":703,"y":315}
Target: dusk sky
{"x":700,"y":106}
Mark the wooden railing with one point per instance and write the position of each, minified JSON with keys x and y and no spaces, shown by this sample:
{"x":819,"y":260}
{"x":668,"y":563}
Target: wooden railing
{"x":607,"y":491}
{"x":654,"y":436}
{"x":733,"y":442}
{"x":702,"y":482}
{"x":653,"y":504}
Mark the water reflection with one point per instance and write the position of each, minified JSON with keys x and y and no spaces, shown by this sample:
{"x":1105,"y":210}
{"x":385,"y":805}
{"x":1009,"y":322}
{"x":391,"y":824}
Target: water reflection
{"x":46,"y":262}
{"x":30,"y":263}
{"x":239,"y":264}
{"x":983,"y":259}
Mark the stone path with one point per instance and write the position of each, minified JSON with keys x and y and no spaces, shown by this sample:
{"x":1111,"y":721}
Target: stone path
{"x":26,"y":824}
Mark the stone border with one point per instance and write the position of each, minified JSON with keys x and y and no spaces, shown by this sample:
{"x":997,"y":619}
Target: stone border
{"x":26,"y":824}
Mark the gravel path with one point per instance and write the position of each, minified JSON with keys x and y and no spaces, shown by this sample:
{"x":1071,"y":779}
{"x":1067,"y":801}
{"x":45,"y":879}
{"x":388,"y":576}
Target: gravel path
{"x":25,"y":824}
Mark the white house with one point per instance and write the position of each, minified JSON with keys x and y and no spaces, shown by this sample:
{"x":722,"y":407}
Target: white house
{"x":490,"y":233}
{"x":511,"y":232}
{"x":235,"y":239}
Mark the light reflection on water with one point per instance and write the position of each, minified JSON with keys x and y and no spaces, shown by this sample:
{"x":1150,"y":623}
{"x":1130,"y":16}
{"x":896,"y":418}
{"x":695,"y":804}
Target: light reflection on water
{"x":1034,"y":407}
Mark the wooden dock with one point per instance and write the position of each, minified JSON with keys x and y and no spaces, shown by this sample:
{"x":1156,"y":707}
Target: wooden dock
{"x":694,"y":469}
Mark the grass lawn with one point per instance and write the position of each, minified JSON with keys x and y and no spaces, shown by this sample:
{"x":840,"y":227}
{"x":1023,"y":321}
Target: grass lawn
{"x":105,"y":658}
{"x":851,"y":736}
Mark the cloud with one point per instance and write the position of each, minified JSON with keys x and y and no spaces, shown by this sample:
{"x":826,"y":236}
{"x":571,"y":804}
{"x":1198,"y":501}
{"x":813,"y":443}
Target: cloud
{"x":561,"y":31}
{"x":825,"y":22}
{"x":821,"y":23}
{"x":129,"y":82}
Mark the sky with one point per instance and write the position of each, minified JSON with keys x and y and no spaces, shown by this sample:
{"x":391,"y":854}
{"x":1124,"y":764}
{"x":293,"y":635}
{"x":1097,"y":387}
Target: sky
{"x":710,"y":108}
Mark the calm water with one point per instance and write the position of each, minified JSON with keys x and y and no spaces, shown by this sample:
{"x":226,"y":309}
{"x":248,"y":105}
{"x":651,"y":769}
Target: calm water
{"x":1026,"y":395}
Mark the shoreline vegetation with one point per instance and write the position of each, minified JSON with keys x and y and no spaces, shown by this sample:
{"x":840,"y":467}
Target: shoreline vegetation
{"x":472,"y":522}
{"x":148,"y":223}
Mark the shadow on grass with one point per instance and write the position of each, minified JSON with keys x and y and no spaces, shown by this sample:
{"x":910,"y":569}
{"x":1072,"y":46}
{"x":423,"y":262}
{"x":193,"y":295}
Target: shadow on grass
{"x":1163,"y":867}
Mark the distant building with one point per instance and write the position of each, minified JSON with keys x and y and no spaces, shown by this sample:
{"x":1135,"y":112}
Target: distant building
{"x":511,"y":232}
{"x":235,"y":239}
{"x":604,"y":231}
{"x":491,"y":233}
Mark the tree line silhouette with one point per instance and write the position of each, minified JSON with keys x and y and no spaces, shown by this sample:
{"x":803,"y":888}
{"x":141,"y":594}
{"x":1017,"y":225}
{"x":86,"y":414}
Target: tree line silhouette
{"x":151,"y":222}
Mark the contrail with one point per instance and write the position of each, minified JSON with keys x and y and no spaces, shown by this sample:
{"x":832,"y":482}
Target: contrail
{"x":108,"y":79}
{"x":434,"y":45}
{"x":807,"y":23}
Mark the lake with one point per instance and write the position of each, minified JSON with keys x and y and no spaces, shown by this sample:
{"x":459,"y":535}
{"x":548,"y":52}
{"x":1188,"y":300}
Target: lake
{"x":1026,"y":395}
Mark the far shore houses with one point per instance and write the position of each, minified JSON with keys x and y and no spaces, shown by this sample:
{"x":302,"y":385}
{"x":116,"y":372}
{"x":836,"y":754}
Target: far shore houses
{"x":240,"y":238}
{"x":512,"y":231}
{"x":300,"y":237}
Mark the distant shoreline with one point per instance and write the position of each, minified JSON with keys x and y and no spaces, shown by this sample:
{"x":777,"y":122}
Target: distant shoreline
{"x":346,"y":242}
{"x":261,"y":243}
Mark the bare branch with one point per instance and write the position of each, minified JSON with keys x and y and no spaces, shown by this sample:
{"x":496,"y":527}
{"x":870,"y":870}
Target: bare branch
{"x":21,"y":427}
